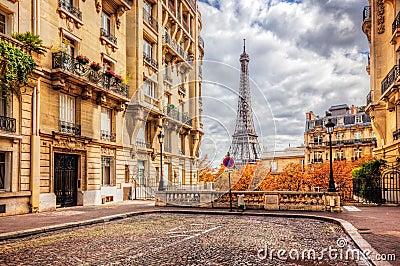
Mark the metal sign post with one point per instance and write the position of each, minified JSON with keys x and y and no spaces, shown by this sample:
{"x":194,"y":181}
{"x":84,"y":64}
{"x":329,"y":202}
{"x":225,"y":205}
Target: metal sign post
{"x":228,"y":162}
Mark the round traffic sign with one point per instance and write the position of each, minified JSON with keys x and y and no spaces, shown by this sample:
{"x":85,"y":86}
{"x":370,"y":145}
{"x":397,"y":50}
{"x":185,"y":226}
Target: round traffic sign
{"x":228,"y":162}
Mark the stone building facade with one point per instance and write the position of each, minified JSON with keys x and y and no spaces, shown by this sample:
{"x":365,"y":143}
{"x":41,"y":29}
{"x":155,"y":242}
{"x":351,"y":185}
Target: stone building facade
{"x":167,"y":57}
{"x":352,"y":137}
{"x":278,"y":160}
{"x":381,"y":24}
{"x":85,"y":130}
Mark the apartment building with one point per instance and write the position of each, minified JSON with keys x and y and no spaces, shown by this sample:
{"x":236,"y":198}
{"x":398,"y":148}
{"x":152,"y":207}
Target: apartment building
{"x":166,"y":65}
{"x":381,"y":24}
{"x":352,"y":137}
{"x":84,"y":131}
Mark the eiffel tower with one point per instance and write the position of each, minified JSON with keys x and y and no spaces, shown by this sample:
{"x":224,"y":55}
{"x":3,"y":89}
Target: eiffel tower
{"x":245,"y":147}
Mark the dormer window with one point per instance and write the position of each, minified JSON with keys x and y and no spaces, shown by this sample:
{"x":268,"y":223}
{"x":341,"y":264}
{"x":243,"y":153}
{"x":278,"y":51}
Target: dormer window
{"x":358,"y":119}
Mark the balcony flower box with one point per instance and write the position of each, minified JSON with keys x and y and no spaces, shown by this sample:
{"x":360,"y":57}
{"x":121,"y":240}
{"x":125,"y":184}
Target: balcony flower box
{"x":95,"y":66}
{"x":118,"y":78}
{"x":109,"y":73}
{"x":82,"y":59}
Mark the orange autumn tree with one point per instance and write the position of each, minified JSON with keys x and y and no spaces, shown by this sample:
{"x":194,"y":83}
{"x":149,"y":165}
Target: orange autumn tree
{"x":245,"y":179}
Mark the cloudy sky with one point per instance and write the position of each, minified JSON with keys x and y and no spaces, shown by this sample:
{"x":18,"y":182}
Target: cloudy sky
{"x":304,"y":55}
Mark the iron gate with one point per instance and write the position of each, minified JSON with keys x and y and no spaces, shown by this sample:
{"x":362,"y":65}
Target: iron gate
{"x":390,"y":184}
{"x":65,"y":179}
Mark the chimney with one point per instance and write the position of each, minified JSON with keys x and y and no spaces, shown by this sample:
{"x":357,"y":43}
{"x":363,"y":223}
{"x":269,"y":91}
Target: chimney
{"x":310,"y":115}
{"x":353,"y":109}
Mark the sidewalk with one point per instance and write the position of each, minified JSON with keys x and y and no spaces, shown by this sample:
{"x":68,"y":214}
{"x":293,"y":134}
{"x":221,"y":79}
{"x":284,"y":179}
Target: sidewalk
{"x":379,"y":226}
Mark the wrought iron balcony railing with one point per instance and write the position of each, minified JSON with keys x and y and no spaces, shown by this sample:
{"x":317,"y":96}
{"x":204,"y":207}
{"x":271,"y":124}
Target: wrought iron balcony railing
{"x":107,"y":136}
{"x":396,"y":23}
{"x":150,"y":20}
{"x":344,"y":142}
{"x":8,"y":124}
{"x":369,"y":98}
{"x":175,"y":46}
{"x":70,"y":128}
{"x":192,"y":4}
{"x":66,"y":62}
{"x":396,"y":134}
{"x":367,"y":12}
{"x":143,"y":144}
{"x":178,"y":116}
{"x":106,"y":34}
{"x":390,"y":78}
{"x":150,"y":60}
{"x":167,"y":78}
{"x":66,"y":5}
{"x":201,"y":41}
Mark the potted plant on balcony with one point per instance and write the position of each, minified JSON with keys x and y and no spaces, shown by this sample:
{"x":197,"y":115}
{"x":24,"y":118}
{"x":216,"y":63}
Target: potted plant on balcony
{"x":118,"y":78}
{"x":82,"y":59}
{"x":109,"y":73}
{"x":95,"y":66}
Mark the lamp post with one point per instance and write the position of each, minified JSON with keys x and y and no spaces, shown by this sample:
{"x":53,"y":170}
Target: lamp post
{"x":161,"y":140}
{"x":330,"y":125}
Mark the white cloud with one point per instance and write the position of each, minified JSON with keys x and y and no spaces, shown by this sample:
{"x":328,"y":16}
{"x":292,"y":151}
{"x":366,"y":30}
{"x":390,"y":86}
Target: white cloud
{"x":304,"y":56}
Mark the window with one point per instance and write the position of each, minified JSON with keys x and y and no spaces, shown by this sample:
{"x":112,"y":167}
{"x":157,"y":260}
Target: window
{"x":107,"y":64}
{"x":149,"y":88}
{"x":147,"y":7}
{"x":3,"y":105}
{"x":106,"y":124}
{"x":339,"y":136}
{"x":147,"y":49}
{"x":67,"y":108}
{"x":274,"y":167}
{"x":140,"y":175}
{"x":167,"y":140}
{"x":357,"y":136}
{"x":106,"y":22}
{"x":339,"y":154}
{"x":318,"y":139}
{"x":340,"y":121}
{"x":107,"y":168}
{"x":318,"y":157}
{"x":5,"y":171}
{"x":2,"y":23}
{"x":68,"y":45}
{"x":357,"y":153}
{"x":358,"y":119}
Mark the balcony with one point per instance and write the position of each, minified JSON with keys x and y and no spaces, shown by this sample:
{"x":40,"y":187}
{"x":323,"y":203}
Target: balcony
{"x":147,"y":58}
{"x":107,"y":136}
{"x":369,"y":98}
{"x":201,"y":42}
{"x":181,"y":90}
{"x":171,"y":112}
{"x":66,"y":5}
{"x":15,"y":43}
{"x":143,"y":144}
{"x":175,"y":47}
{"x":192,"y":4}
{"x":390,"y":79}
{"x":396,"y":134}
{"x":7,"y":124}
{"x":366,"y":26}
{"x":150,"y":20}
{"x":85,"y":75}
{"x":344,"y":142}
{"x":107,"y":38}
{"x":70,"y":128}
{"x":167,"y":78}
{"x":72,"y":14}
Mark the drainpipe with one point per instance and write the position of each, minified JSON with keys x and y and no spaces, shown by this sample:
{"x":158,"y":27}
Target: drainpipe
{"x":35,"y":139}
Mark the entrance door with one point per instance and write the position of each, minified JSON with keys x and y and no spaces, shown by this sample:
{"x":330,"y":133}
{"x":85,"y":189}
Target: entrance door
{"x":65,"y":179}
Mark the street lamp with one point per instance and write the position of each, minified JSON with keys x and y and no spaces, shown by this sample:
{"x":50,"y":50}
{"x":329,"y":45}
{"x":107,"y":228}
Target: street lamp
{"x":161,"y":140}
{"x":330,"y":125}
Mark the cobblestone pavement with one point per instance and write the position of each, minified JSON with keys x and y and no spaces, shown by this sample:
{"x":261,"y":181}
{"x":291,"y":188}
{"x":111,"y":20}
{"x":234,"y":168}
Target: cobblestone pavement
{"x":185,"y":239}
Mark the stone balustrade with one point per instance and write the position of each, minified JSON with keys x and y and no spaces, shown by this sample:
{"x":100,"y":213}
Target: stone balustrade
{"x":267,"y":200}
